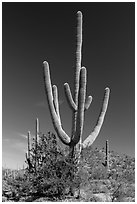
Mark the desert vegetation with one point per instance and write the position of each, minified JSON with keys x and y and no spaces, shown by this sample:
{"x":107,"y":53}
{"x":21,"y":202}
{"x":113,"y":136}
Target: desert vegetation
{"x":50,"y":179}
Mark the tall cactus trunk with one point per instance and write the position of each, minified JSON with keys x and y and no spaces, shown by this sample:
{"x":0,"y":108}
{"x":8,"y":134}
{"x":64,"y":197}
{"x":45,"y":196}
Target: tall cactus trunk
{"x":76,"y":79}
{"x":77,"y":68}
{"x":79,"y":96}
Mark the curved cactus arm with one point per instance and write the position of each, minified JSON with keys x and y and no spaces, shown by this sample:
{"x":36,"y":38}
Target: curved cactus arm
{"x":69,"y":97}
{"x":88,"y":102}
{"x":56,"y":122}
{"x":55,"y":101}
{"x":81,"y":106}
{"x":90,"y":139}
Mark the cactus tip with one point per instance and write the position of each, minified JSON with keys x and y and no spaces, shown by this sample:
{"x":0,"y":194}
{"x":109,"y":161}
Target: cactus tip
{"x":83,"y":69}
{"x":79,"y":12}
{"x":54,"y":87}
{"x":45,"y":62}
{"x":66,"y":84}
{"x":107,"y":89}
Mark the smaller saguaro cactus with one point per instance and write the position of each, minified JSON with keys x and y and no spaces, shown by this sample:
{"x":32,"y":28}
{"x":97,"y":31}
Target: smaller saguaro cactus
{"x":28,"y":159}
{"x":36,"y":139}
{"x":106,"y":163}
{"x":29,"y":144}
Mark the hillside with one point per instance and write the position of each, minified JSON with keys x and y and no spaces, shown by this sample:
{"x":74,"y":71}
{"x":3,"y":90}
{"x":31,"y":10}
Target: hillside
{"x":97,"y":183}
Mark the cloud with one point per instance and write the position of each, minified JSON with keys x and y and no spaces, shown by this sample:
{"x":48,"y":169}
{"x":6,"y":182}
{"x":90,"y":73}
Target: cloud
{"x":26,"y":136}
{"x":23,"y":135}
{"x":6,"y":140}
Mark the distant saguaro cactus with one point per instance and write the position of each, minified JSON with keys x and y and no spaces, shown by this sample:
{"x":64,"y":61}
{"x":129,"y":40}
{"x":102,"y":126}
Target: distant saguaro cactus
{"x":28,"y":157}
{"x":78,"y":104}
{"x":106,"y":163}
{"x":36,"y":139}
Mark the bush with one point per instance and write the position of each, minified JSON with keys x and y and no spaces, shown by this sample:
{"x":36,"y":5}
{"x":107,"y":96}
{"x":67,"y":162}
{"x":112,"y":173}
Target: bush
{"x":50,"y":173}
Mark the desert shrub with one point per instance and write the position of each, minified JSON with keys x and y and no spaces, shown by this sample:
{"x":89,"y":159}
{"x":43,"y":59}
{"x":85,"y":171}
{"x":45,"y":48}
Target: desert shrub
{"x":52,"y":169}
{"x":50,"y":175}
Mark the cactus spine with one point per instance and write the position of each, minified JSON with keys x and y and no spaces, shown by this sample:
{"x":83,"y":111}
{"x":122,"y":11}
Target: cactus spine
{"x":78,"y":105}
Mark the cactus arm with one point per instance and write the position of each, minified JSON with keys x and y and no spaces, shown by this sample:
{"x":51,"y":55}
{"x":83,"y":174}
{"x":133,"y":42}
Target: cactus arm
{"x":48,"y":89}
{"x":88,"y":102}
{"x":69,"y":97}
{"x":81,"y":106}
{"x":90,"y":139}
{"x":56,"y":103}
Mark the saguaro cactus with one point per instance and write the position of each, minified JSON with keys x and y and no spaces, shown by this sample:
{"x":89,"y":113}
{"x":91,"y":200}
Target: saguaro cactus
{"x":107,"y":155}
{"x":28,"y":160}
{"x":106,"y":163}
{"x":29,"y":144}
{"x":78,"y":105}
{"x":36,"y":139}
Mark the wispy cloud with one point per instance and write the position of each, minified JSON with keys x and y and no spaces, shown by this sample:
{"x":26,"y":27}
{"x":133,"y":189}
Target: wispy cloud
{"x":23,"y":135}
{"x":6,"y":140}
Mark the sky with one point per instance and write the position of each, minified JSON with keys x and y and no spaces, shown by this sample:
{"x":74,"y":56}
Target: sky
{"x":35,"y":32}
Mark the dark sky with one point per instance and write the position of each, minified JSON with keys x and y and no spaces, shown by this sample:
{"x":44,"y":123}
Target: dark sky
{"x":34,"y":32}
